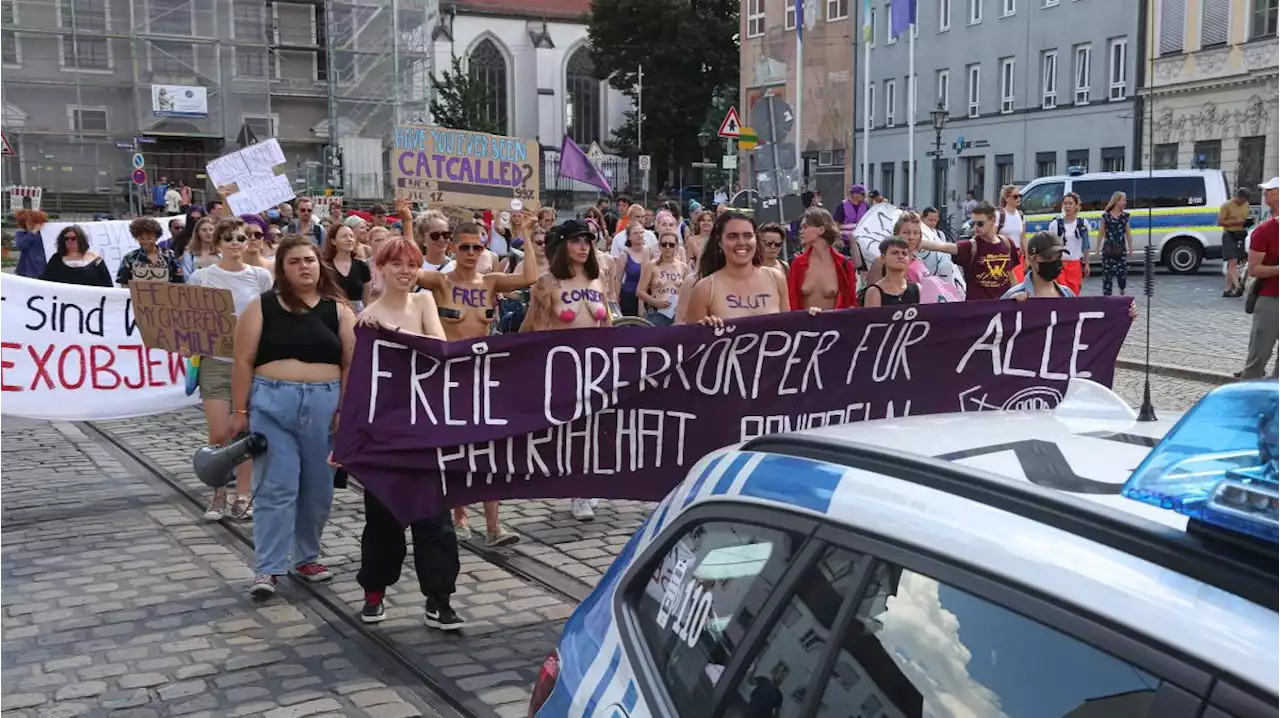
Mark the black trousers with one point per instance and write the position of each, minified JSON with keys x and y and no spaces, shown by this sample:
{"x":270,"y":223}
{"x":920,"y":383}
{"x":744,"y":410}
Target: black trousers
{"x":382,"y":551}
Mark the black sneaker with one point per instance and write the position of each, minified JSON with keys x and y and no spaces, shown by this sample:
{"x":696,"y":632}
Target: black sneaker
{"x":374,"y":611}
{"x":440,"y":615}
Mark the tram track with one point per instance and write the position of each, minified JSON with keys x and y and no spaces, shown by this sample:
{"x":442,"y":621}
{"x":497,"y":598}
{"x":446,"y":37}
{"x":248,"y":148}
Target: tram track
{"x":335,"y":612}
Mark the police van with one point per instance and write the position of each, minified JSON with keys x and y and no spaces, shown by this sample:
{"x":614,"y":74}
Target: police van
{"x":990,"y":564}
{"x":1182,"y":222}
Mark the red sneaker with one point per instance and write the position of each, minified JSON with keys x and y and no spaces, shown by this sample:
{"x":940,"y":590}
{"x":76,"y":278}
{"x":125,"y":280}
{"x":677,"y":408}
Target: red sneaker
{"x":313,"y":571}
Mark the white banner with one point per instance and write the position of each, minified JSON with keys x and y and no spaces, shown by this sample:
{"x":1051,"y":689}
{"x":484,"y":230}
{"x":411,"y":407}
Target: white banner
{"x":179,"y":101}
{"x":875,"y":227}
{"x":73,"y":353}
{"x":110,"y":238}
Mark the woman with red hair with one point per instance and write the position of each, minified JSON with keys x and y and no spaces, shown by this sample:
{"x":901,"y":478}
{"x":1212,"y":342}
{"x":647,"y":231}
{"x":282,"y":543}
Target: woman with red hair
{"x":31,"y":260}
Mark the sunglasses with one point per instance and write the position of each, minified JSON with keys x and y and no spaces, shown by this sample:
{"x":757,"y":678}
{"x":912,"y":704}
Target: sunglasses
{"x":70,"y":238}
{"x":438,"y":236}
{"x":470,"y":248}
{"x":237,"y":238}
{"x":979,"y":224}
{"x":304,"y":211}
{"x":667,"y":245}
{"x":1015,"y":195}
{"x":773,"y":245}
{"x":255,"y":234}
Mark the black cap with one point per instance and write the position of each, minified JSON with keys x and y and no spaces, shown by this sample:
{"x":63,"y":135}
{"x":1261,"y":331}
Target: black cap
{"x":565,"y":231}
{"x":874,"y":193}
{"x":1046,"y":245}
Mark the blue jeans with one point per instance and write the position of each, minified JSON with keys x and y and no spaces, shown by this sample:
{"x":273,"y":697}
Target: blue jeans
{"x":292,"y":480}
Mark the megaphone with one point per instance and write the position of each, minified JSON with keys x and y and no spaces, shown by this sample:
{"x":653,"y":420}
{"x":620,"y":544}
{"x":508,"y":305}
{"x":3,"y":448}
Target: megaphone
{"x":216,"y":466}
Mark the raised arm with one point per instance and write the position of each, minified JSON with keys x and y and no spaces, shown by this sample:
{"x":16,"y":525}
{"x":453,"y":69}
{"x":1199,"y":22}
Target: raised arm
{"x":531,"y":271}
{"x":406,"y":217}
{"x":944,"y":247}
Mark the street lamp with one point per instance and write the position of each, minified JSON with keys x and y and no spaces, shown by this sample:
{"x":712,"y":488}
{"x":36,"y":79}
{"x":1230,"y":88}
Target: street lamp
{"x":704,"y":139}
{"x":939,"y":117}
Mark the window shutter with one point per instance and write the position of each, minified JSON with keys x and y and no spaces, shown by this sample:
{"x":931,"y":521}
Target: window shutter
{"x":1215,"y":22}
{"x":1172,"y":24}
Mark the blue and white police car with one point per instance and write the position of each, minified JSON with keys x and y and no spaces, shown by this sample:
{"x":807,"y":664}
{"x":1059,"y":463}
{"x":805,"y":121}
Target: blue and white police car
{"x":984,"y":565}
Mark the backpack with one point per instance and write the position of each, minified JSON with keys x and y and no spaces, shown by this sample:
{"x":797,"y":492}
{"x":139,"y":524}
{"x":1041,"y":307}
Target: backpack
{"x":1082,"y":231}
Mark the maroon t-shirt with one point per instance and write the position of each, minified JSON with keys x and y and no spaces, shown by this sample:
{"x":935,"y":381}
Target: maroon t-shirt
{"x":988,"y":268}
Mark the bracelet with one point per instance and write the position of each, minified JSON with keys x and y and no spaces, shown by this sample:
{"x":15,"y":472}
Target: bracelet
{"x":240,"y":411}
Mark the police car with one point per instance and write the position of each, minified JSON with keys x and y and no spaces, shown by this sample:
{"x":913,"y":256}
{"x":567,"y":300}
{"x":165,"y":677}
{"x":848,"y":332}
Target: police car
{"x":1018,"y":564}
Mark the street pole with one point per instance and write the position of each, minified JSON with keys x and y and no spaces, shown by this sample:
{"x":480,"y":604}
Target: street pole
{"x":729,"y":151}
{"x":800,"y":100}
{"x":640,"y":125}
{"x":911,"y":117}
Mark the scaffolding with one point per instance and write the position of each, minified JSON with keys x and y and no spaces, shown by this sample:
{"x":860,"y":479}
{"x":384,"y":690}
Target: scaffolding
{"x":328,"y":78}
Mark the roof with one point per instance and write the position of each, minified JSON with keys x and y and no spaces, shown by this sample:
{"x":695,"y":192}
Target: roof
{"x":548,"y":9}
{"x":1145,"y":597}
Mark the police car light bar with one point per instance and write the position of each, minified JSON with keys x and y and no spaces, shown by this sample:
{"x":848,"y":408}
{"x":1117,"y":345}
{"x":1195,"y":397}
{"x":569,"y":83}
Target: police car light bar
{"x":1218,"y":465}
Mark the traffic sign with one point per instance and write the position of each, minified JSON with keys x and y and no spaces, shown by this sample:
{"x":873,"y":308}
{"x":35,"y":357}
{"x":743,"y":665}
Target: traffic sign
{"x":747,"y":138}
{"x":139,"y":177}
{"x":729,"y":162}
{"x":8,"y":148}
{"x":646,"y":161}
{"x":731,"y":127}
{"x":137,"y":160}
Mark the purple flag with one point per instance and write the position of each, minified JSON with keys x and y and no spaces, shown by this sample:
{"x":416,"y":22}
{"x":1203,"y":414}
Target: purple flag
{"x":575,"y":164}
{"x":624,"y":413}
{"x":902,"y":14}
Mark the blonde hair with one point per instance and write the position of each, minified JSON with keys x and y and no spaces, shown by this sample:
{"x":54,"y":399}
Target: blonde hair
{"x":420,"y":230}
{"x":905,"y":218}
{"x":1115,"y":198}
{"x":1007,"y":190}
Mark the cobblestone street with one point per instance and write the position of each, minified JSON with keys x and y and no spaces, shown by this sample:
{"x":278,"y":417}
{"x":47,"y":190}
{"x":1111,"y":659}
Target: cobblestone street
{"x":120,"y":601}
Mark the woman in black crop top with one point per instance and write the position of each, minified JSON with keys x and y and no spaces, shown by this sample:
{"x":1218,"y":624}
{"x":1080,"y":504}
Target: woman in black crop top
{"x":894,"y":287}
{"x":353,"y":275}
{"x":292,"y":349}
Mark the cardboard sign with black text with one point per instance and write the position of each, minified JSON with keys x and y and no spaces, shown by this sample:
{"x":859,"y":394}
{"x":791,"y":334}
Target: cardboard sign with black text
{"x":183,"y":318}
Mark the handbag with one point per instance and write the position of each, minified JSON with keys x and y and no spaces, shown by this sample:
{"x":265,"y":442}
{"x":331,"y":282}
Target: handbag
{"x":193,"y":374}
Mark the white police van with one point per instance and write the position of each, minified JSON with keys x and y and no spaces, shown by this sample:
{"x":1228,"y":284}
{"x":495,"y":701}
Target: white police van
{"x":1174,"y":210}
{"x":838,"y":572}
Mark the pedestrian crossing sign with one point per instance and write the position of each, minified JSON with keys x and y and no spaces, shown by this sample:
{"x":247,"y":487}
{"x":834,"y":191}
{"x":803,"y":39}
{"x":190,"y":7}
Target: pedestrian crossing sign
{"x":8,"y":148}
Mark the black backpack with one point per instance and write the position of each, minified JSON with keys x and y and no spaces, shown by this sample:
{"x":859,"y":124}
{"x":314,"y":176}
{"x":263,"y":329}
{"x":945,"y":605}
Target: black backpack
{"x":1082,"y":230}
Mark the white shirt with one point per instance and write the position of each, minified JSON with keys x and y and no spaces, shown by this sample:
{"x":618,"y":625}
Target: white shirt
{"x":244,"y":285}
{"x":1012,"y":228}
{"x":619,"y":246}
{"x":172,"y":201}
{"x":1073,"y":243}
{"x":448,"y":266}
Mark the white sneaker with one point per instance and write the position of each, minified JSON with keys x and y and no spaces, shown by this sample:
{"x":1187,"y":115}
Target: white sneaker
{"x":583,"y":511}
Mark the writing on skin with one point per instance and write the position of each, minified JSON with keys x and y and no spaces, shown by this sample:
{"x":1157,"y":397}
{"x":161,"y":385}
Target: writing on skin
{"x":471,"y":297}
{"x":576,"y":295}
{"x":747,"y":301}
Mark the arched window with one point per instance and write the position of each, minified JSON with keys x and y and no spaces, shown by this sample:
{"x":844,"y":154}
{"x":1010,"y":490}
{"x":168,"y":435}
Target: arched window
{"x":489,"y":67}
{"x":582,"y":98}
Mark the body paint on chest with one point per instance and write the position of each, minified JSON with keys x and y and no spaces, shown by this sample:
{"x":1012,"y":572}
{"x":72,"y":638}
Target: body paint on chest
{"x":747,"y":301}
{"x":570,"y":296}
{"x":478,"y":298}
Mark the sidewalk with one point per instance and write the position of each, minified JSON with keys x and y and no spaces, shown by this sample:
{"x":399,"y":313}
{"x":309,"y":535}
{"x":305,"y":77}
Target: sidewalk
{"x":118,"y":602}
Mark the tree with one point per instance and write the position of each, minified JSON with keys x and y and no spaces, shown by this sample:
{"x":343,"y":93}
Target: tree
{"x":461,"y":101}
{"x":690,"y":54}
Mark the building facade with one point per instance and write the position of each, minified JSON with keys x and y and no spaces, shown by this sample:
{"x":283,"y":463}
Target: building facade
{"x":82,"y":83}
{"x":1212,"y":88}
{"x":1031,"y":87}
{"x":768,"y":51}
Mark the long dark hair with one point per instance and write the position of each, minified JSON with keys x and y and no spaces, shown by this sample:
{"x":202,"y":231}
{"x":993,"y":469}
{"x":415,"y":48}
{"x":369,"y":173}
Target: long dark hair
{"x":326,"y":284}
{"x":179,"y":243}
{"x":82,"y":239}
{"x":713,"y":259}
{"x":561,"y":267}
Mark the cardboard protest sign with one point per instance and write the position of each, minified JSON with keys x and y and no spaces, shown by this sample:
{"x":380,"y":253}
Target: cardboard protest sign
{"x":251,"y":171}
{"x":624,"y":413}
{"x":434,"y":165}
{"x":184,"y":318}
{"x":73,"y":353}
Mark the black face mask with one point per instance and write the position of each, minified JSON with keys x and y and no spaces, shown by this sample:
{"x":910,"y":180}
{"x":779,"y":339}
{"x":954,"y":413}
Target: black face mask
{"x":1049,"y":271}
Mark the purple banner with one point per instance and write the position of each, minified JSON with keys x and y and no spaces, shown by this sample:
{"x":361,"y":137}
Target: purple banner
{"x":624,"y":413}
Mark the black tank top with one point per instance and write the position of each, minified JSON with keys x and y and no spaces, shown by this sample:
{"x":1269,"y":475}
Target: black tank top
{"x":911,"y":295}
{"x":310,"y":337}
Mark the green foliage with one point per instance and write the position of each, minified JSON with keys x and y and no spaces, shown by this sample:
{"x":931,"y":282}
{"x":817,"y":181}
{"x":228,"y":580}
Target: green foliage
{"x":690,"y":55}
{"x":461,"y":101}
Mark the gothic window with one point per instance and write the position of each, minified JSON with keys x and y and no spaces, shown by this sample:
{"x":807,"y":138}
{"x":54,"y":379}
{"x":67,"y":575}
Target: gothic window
{"x":582,"y":99}
{"x":489,"y":67}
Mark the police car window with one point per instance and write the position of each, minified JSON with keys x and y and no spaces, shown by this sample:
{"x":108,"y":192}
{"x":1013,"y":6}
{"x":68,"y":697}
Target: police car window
{"x":1186,"y":191}
{"x":920,"y":647}
{"x":1043,"y":198}
{"x":702,"y":598}
{"x":775,"y":683}
{"x":1095,"y":194}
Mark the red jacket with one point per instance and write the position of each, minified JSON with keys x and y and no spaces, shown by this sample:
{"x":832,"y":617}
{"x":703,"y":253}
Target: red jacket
{"x":846,"y":278}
